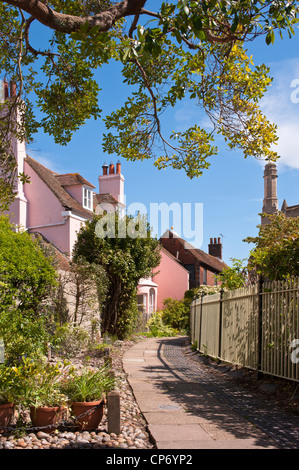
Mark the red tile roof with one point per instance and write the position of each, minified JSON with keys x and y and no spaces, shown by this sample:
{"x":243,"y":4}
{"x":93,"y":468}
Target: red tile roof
{"x":204,"y":258}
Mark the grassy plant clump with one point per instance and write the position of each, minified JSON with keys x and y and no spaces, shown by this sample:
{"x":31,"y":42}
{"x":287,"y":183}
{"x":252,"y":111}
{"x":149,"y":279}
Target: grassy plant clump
{"x":88,"y":384}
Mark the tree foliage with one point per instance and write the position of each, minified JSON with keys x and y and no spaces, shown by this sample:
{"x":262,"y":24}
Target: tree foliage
{"x":276,"y":252}
{"x":194,"y":49}
{"x":235,"y":276}
{"x":26,"y":278}
{"x":127,"y":252}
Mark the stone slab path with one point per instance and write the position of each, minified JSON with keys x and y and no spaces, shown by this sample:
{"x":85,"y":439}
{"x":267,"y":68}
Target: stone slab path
{"x":186,"y":407}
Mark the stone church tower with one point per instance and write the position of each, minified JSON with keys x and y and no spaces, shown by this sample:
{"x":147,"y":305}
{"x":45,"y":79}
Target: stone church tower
{"x":270,"y":203}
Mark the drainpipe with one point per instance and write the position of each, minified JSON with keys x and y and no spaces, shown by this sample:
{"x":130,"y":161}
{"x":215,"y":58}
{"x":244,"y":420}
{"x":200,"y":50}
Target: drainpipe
{"x":48,"y":225}
{"x":65,"y":216}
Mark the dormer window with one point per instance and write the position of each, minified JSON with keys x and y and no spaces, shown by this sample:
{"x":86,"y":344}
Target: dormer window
{"x":87,"y":198}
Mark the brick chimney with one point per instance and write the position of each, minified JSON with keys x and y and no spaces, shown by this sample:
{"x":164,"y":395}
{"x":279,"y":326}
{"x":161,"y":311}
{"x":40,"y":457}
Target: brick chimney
{"x":8,"y":90}
{"x":112,"y":182}
{"x":215,"y":248}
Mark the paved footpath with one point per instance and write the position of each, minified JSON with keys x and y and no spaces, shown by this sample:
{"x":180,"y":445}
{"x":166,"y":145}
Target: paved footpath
{"x":188,"y":407}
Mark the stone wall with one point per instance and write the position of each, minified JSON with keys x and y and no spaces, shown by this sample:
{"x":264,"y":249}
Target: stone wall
{"x":76,"y":302}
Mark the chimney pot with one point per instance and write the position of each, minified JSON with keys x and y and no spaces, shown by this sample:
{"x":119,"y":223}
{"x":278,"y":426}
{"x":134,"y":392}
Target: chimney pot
{"x":111,"y":168}
{"x":118,"y":168}
{"x":211,"y":241}
{"x":5,"y":89}
{"x":105,"y":168}
{"x":215,"y":241}
{"x":13,"y":90}
{"x":219,"y":241}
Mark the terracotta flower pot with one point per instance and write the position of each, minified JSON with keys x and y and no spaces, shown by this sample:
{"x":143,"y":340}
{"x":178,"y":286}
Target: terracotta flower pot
{"x":45,"y":417}
{"x":6,"y":414}
{"x":92,"y":414}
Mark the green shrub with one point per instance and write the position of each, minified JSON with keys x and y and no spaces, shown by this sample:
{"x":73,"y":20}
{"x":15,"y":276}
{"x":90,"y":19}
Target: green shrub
{"x":69,"y":340}
{"x":6,"y":384}
{"x":24,"y":334}
{"x":26,"y":273}
{"x":176,"y":314}
{"x":27,"y":276}
{"x":157,"y":327}
{"x":124,"y":260}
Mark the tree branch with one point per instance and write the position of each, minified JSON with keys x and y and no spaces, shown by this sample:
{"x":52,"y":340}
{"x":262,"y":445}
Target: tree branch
{"x":70,"y":23}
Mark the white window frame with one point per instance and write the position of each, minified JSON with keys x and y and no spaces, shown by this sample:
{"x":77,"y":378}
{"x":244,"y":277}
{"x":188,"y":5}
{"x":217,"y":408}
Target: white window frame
{"x":87,"y":198}
{"x":152,"y":300}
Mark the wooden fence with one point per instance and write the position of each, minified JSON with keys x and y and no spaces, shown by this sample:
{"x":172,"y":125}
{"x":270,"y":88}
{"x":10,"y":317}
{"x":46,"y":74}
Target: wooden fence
{"x":255,"y":327}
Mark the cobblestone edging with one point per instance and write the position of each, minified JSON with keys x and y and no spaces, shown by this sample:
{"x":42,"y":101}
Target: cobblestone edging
{"x":281,"y":426}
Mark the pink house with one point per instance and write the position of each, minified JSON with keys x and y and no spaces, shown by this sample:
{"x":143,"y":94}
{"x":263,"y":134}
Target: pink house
{"x":57,"y":205}
{"x":171,"y":277}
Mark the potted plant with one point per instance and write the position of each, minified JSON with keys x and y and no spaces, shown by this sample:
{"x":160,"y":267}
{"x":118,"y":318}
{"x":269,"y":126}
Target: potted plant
{"x":86,"y":391}
{"x":6,"y":396}
{"x":39,"y":390}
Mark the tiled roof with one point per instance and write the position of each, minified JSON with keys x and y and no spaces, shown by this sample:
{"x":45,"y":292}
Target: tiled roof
{"x":61,"y":260}
{"x":204,"y":258}
{"x":293,"y":210}
{"x":104,"y":198}
{"x":208,"y":260}
{"x":70,"y":179}
{"x":172,"y":256}
{"x":53,"y":183}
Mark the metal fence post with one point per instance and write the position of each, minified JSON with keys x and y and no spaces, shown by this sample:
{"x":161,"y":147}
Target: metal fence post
{"x":200,"y":320}
{"x":220,"y":323}
{"x":260,"y":328}
{"x":2,"y":351}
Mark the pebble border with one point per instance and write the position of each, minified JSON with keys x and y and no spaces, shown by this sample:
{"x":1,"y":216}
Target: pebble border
{"x":133,"y":426}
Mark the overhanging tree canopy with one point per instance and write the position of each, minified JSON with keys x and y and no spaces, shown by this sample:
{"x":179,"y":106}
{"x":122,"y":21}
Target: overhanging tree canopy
{"x":186,"y":49}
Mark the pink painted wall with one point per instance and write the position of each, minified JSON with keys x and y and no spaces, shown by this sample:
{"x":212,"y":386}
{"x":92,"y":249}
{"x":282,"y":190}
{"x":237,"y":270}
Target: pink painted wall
{"x":172,"y":279}
{"x":63,"y":236}
{"x":59,"y":235}
{"x":18,"y":212}
{"x":74,"y":228}
{"x":76,"y":192}
{"x":112,"y":184}
{"x":43,"y":207}
{"x":44,"y":212}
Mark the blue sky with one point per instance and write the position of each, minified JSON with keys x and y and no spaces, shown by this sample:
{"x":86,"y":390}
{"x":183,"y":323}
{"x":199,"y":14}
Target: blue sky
{"x":230,"y":192}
